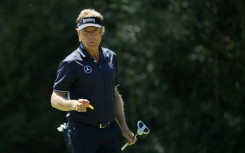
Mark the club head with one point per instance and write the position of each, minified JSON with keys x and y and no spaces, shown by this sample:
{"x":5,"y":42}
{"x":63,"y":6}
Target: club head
{"x":142,"y":128}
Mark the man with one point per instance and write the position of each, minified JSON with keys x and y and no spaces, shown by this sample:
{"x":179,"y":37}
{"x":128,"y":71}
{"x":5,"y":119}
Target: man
{"x":86,"y":87}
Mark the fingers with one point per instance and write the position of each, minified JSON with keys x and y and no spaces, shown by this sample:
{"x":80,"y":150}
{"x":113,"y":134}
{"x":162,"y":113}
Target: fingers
{"x":83,"y":101}
{"x":82,"y":105}
{"x":131,"y":138}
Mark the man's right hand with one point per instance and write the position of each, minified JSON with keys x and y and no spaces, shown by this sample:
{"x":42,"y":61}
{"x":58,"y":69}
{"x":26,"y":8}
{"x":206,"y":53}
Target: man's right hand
{"x":81,"y":105}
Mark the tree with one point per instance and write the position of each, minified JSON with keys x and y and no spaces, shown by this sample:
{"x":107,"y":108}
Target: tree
{"x":180,"y":65}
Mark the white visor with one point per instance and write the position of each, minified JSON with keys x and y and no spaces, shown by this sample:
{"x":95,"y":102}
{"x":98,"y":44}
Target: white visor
{"x":88,"y":25}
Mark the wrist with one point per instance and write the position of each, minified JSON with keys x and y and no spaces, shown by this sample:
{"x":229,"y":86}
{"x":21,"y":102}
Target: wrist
{"x":73,"y":104}
{"x":122,"y":124}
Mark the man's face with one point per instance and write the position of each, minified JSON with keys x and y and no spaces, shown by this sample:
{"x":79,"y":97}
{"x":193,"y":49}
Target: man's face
{"x":90,"y":37}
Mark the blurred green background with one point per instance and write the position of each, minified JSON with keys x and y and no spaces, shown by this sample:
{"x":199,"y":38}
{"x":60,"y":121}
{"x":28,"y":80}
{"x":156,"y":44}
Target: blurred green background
{"x":181,"y":65}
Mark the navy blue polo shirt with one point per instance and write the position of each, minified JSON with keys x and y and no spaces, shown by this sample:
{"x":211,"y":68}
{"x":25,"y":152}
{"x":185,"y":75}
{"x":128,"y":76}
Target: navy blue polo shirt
{"x":81,"y":77}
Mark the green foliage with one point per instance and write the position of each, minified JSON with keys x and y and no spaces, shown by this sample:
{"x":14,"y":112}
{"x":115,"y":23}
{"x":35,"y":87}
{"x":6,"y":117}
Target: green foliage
{"x":181,"y":71}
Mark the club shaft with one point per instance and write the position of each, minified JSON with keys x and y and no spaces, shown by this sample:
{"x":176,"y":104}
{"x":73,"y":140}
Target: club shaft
{"x":126,"y":144}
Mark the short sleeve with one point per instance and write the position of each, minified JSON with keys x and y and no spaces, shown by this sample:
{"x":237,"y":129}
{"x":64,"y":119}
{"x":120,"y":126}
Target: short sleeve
{"x":65,"y":77}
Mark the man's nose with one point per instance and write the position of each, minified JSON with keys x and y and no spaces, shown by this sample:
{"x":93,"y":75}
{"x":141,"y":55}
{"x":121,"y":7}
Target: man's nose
{"x":91,"y":34}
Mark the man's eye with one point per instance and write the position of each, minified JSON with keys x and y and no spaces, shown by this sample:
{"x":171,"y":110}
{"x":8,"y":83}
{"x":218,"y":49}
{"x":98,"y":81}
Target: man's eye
{"x":90,"y":31}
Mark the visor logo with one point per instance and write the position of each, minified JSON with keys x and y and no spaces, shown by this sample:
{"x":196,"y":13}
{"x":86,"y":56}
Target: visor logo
{"x":87,"y":69}
{"x":88,"y":20}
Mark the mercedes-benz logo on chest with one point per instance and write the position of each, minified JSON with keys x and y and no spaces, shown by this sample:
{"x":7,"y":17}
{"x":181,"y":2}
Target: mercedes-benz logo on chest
{"x":87,"y":69}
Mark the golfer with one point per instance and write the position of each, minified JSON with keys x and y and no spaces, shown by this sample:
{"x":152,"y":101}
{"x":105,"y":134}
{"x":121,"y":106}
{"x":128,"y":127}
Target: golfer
{"x":86,"y":87}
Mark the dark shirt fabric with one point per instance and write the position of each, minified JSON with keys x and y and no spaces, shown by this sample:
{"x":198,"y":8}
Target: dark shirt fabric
{"x":81,"y":77}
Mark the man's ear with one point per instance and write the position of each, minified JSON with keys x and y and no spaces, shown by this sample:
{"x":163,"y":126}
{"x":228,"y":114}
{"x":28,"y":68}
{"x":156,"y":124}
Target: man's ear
{"x":77,"y":32}
{"x":101,"y":32}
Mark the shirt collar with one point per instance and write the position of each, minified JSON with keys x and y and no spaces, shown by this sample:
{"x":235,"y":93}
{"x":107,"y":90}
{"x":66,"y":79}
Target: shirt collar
{"x":84,"y":54}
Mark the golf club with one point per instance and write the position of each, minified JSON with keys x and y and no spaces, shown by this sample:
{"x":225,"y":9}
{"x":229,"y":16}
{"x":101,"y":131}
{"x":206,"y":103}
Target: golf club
{"x":142,"y":129}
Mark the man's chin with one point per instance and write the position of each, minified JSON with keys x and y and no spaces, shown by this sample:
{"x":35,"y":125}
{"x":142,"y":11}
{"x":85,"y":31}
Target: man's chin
{"x":92,"y":46}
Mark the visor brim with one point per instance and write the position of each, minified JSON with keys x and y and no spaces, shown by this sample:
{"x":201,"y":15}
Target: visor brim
{"x":88,"y":25}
